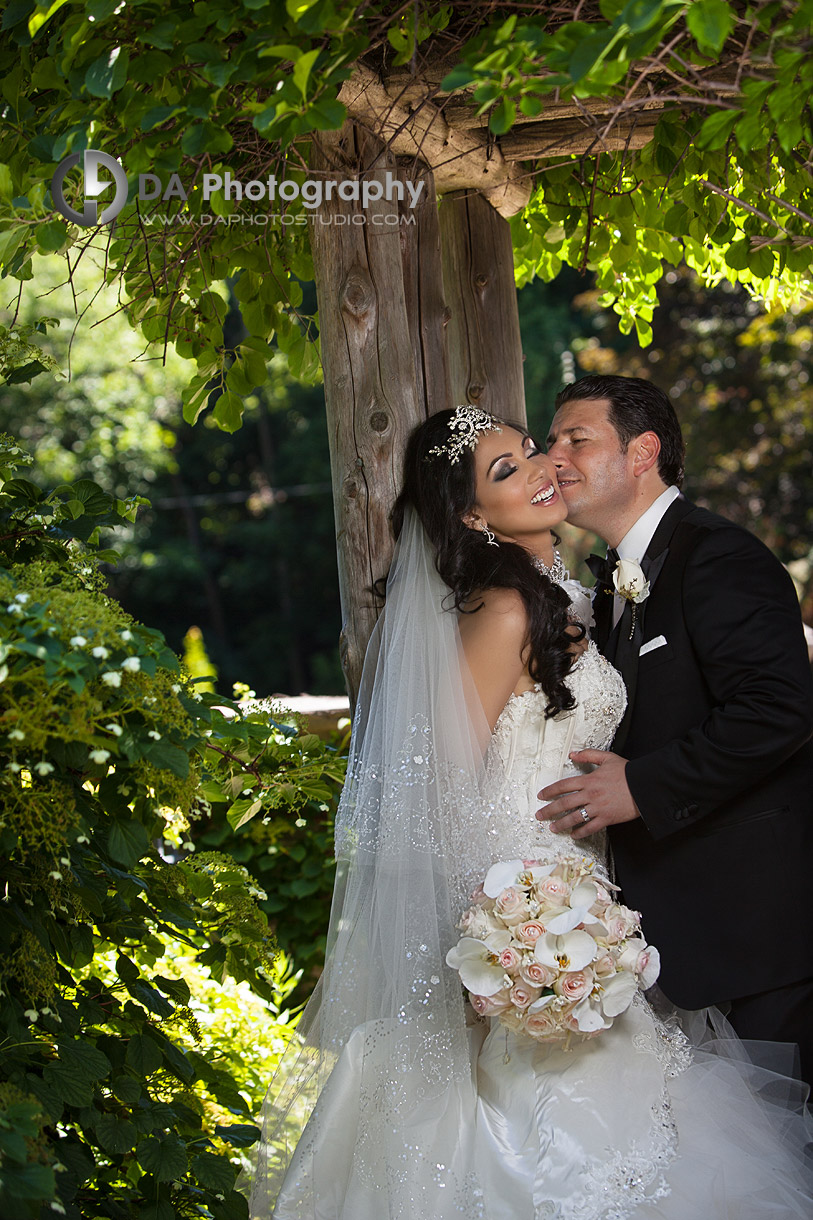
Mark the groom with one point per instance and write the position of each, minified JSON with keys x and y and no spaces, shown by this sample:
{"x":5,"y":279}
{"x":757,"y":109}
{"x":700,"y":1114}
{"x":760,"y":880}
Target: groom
{"x":708,"y":792}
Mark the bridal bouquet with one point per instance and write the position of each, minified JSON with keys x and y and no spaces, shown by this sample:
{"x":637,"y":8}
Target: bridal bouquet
{"x":548,"y":950}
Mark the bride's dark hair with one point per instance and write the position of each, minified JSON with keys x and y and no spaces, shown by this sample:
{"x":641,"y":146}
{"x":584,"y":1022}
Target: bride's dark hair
{"x":442,"y":493}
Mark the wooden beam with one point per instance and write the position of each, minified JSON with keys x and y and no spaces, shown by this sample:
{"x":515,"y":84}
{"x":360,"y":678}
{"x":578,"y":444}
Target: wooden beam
{"x":485,"y":350}
{"x":371,"y":398}
{"x":538,"y":141}
{"x":458,"y":160}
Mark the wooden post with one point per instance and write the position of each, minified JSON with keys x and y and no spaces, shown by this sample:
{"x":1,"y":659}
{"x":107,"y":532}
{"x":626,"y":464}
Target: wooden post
{"x":381,"y":316}
{"x":485,"y":351}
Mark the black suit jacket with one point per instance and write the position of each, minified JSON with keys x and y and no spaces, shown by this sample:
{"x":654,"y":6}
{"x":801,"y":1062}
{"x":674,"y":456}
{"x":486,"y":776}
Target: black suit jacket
{"x":721,"y":763}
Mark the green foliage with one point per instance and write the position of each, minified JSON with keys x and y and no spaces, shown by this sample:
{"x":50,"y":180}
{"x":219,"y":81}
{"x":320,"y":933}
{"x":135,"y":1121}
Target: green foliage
{"x":723,"y":188}
{"x":112,"y":1103}
{"x":217,"y":500}
{"x":196,"y":660}
{"x":186,"y":90}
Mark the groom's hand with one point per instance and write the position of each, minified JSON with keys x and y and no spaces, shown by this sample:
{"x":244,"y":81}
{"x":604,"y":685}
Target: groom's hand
{"x":603,"y":793}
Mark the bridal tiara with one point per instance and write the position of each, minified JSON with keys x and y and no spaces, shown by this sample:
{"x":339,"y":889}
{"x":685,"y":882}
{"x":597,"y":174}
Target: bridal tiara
{"x":464,"y":427}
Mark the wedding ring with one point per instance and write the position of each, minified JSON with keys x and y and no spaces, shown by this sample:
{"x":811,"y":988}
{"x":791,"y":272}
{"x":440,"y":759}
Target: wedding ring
{"x":585,"y":816}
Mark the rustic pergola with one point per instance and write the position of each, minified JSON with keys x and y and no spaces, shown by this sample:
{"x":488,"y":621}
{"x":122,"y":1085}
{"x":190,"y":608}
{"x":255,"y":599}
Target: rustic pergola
{"x":416,"y":317}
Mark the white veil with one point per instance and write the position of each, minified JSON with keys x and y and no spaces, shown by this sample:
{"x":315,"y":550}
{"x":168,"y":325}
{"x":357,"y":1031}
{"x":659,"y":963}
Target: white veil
{"x":381,"y":1062}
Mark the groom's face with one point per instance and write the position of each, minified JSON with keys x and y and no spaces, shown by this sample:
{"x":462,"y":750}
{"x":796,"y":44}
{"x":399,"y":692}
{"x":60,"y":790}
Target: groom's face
{"x":594,"y":472}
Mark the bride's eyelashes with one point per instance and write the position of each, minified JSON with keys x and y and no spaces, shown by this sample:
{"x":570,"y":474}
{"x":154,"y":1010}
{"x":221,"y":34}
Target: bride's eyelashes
{"x":532,"y":450}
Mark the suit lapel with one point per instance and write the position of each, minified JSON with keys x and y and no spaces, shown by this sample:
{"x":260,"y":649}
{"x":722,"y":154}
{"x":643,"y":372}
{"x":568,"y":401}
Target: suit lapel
{"x":624,"y":645}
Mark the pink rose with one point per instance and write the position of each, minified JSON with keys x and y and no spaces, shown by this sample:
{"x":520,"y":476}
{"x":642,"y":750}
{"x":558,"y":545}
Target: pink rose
{"x":555,"y":889}
{"x":531,"y":931}
{"x":489,"y":1005}
{"x":509,"y":959}
{"x":536,"y":974}
{"x":478,"y":895}
{"x":511,"y":905}
{"x":521,"y":995}
{"x":576,"y":985}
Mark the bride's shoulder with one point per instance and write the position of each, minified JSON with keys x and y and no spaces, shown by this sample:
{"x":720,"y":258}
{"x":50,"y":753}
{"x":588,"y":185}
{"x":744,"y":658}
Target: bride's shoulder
{"x":500,"y":604}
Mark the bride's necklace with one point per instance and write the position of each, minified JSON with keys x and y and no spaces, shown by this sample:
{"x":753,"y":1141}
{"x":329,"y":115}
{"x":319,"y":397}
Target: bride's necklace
{"x":556,"y":573}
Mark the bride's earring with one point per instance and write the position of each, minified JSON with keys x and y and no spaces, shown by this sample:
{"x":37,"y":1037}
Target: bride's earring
{"x":489,"y":536}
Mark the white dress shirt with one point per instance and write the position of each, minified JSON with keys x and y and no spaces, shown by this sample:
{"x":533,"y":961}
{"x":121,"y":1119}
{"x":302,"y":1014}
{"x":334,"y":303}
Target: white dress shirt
{"x":634,"y":543}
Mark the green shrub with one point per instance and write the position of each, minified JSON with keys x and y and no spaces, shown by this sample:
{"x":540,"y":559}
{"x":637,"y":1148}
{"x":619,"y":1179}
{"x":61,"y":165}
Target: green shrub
{"x":115,"y":1098}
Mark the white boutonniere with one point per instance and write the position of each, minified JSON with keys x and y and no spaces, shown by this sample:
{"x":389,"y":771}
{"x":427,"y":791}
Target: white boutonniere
{"x":630,"y":583}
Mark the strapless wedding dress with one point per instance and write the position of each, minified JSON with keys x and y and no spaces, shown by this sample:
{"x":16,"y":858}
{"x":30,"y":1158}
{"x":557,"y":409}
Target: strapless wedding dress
{"x":641,"y":1122}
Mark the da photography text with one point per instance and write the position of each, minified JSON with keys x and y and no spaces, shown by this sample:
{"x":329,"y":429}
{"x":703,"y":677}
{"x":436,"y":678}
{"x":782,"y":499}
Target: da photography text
{"x":311,"y":192}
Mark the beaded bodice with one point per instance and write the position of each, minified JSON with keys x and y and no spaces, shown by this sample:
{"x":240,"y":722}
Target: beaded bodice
{"x":531,"y":751}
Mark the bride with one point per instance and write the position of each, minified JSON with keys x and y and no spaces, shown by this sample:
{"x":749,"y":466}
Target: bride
{"x":399,"y":1099}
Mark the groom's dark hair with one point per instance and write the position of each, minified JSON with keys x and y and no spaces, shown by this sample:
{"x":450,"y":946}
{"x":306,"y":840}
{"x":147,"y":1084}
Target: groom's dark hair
{"x":636,"y":406}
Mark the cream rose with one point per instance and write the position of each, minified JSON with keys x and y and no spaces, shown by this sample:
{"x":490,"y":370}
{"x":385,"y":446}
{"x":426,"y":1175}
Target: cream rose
{"x":536,"y":974}
{"x":512,"y":906}
{"x":542,"y":1024}
{"x":554,"y":889}
{"x":478,"y":923}
{"x":603,"y":966}
{"x":619,"y":922}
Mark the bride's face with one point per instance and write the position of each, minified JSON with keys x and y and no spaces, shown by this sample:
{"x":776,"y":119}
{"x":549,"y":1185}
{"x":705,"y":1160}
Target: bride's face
{"x":517,"y":494}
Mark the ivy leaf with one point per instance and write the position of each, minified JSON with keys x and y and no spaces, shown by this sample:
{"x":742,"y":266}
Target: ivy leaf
{"x":214,"y":1172}
{"x":228,"y":411}
{"x":128,"y":841}
{"x":503,"y":116}
{"x":107,"y":74}
{"x":711,"y":22}
{"x":302,"y":69}
{"x":458,"y":78}
{"x":717,"y":128}
{"x":115,"y":1134}
{"x":164,"y":1156}
{"x":150,"y":998}
{"x":239,"y":1135}
{"x":143,"y":1054}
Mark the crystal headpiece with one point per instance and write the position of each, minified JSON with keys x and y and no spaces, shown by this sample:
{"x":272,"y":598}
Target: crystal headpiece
{"x":464,"y":427}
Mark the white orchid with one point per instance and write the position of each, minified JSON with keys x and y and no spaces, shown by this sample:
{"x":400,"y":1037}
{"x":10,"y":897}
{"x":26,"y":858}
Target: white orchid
{"x":577,"y":911}
{"x":513,"y":872}
{"x":570,"y":951}
{"x":477,"y":962}
{"x":640,"y":959}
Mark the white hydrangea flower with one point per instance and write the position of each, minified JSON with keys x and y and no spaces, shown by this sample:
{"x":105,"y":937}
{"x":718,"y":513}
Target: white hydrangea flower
{"x":44,"y":768}
{"x":112,"y":678}
{"x":99,"y":756}
{"x":131,"y":664}
{"x":17,"y":735}
{"x":115,"y":729}
{"x":156,"y":736}
{"x":77,"y":641}
{"x":100,"y":652}
{"x":126,"y":635}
